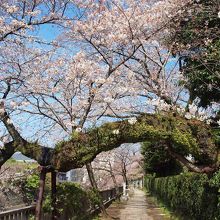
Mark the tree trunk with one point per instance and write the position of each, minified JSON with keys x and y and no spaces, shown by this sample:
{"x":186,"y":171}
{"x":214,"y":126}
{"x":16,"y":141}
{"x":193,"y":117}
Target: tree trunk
{"x":124,"y":174}
{"x":38,"y":209}
{"x":115,"y":182}
{"x":190,"y":166}
{"x":116,"y":186}
{"x":53,"y":195}
{"x":95,"y":187}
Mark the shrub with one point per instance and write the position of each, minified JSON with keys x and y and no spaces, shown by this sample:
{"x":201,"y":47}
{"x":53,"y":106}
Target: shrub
{"x":30,"y":186}
{"x":72,"y":200}
{"x":189,"y":193}
{"x":94,"y":197}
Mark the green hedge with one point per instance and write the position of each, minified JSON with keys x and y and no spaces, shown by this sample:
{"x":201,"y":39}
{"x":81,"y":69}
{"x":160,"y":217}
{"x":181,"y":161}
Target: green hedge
{"x":190,"y":194}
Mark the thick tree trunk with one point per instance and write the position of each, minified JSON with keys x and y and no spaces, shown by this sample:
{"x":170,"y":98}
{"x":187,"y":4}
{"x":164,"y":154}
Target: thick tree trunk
{"x":38,"y":210}
{"x":76,"y":152}
{"x":190,"y":166}
{"x":95,"y":187}
{"x":53,"y":195}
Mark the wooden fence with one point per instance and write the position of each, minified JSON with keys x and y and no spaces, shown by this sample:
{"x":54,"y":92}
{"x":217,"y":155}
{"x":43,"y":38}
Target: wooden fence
{"x":18,"y":214}
{"x":25,"y":212}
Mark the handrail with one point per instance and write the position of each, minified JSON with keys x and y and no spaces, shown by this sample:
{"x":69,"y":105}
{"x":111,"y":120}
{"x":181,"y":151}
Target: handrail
{"x":18,"y":214}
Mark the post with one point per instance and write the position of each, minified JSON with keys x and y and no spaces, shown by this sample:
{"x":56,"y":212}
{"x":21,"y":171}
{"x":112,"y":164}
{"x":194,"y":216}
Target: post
{"x":38,"y":209}
{"x":124,"y":189}
{"x":125,"y":195}
{"x":53,"y":195}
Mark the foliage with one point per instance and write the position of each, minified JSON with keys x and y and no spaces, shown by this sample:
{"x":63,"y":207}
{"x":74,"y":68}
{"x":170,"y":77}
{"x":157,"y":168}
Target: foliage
{"x":31,"y":186}
{"x":197,"y":42}
{"x":215,"y":182}
{"x":94,"y":197}
{"x":188,"y":193}
{"x":157,"y":160}
{"x":184,"y":136}
{"x":11,"y":161}
{"x":72,"y":200}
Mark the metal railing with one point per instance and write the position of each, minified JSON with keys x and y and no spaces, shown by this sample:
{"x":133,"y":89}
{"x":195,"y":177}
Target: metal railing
{"x":25,"y":212}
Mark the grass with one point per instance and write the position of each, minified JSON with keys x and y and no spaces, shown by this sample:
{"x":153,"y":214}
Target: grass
{"x":166,"y":210}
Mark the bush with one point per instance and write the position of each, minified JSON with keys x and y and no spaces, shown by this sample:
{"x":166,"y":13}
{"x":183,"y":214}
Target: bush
{"x":188,"y":193}
{"x":94,"y":197}
{"x":30,"y":187}
{"x":72,"y":200}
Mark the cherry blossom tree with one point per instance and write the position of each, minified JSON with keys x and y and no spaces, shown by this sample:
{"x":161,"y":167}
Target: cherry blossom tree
{"x":120,"y":162}
{"x":63,"y":90}
{"x":20,"y":51}
{"x":108,"y":64}
{"x":111,"y":56}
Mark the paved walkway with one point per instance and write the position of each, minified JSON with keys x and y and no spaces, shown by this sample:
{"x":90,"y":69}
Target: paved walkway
{"x":138,"y":207}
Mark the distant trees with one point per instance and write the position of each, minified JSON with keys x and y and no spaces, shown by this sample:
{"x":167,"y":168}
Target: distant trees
{"x":118,"y":164}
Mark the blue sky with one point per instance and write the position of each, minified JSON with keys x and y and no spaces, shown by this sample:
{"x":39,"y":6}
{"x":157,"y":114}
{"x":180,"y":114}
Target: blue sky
{"x":48,"y":32}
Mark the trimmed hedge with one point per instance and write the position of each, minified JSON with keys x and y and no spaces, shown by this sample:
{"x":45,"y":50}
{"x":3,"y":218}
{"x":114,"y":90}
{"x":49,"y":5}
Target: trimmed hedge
{"x":188,"y":193}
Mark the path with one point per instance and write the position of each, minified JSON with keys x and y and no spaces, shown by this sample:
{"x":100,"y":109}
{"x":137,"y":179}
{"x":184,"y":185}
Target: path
{"x":138,"y":207}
